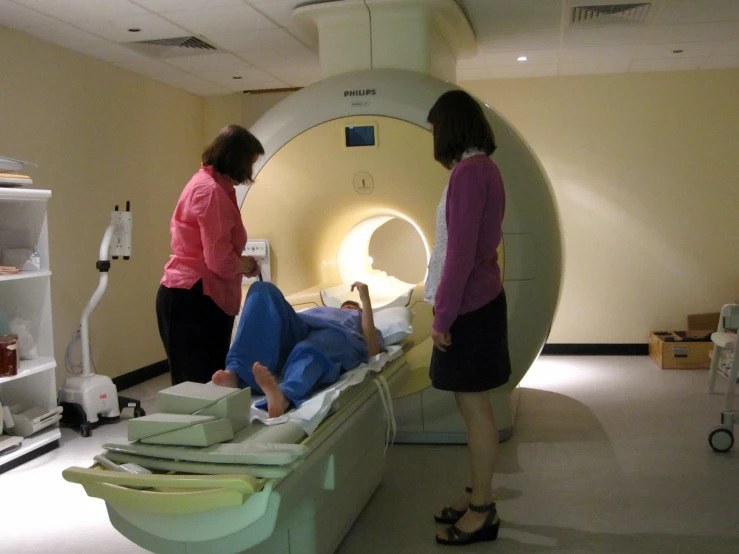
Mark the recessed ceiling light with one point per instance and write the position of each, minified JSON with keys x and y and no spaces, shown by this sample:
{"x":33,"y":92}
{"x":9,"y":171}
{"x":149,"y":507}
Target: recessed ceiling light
{"x":134,"y":30}
{"x":678,"y":51}
{"x":237,"y":77}
{"x":522,"y":58}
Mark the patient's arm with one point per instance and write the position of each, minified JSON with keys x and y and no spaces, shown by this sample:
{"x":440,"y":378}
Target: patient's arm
{"x":368,"y":320}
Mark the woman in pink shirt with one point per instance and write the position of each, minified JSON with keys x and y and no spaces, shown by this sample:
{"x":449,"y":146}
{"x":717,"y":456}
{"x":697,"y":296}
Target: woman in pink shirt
{"x":470,"y":329}
{"x":200,"y":293}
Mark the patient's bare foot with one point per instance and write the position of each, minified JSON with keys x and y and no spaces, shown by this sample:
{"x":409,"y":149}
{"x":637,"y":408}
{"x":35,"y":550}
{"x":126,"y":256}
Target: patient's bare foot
{"x":277,"y":404}
{"x":226,"y":378}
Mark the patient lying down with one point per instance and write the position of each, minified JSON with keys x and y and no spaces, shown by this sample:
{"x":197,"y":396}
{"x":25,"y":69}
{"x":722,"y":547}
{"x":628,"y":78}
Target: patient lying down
{"x":289,"y":356}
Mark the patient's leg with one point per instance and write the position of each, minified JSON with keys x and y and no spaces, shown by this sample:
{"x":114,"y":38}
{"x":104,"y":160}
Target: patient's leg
{"x":277,"y":403}
{"x":268,"y":330}
{"x":308,"y":369}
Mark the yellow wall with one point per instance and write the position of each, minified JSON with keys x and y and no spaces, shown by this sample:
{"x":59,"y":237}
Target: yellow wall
{"x":101,"y":136}
{"x":644,"y":168}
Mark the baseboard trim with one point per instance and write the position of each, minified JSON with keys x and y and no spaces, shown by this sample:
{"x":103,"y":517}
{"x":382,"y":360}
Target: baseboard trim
{"x":596,"y":350}
{"x":128,"y":380}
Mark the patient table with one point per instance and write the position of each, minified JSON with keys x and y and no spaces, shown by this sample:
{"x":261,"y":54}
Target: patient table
{"x":279,"y":490}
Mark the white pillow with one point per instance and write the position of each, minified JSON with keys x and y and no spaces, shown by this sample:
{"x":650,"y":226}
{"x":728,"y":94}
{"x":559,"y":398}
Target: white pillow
{"x":394,"y":324}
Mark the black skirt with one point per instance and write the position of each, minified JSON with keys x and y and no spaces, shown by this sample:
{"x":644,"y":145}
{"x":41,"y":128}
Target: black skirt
{"x":478,"y":358}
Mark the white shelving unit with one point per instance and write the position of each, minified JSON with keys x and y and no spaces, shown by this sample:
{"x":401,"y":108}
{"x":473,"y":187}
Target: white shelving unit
{"x":23,"y":224}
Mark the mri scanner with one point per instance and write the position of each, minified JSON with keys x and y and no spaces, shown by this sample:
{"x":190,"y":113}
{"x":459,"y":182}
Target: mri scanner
{"x":347,"y":190}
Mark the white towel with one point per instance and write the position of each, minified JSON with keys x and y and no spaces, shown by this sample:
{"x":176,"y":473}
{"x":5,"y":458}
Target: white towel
{"x":313,"y":411}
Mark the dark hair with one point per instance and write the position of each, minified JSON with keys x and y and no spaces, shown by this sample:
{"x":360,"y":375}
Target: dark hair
{"x":351,"y":303}
{"x":232,"y":153}
{"x":459,"y":125}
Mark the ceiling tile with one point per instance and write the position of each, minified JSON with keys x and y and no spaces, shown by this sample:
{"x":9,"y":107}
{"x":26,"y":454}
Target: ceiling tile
{"x":80,"y":10}
{"x":533,"y":57}
{"x":245,"y":71}
{"x":248,"y":81}
{"x":224,"y":19}
{"x":283,"y":57}
{"x":472,"y":75}
{"x":689,"y":50}
{"x":147,"y":66}
{"x":544,"y":39}
{"x":721,"y":62}
{"x":173,"y":5}
{"x":603,"y":36}
{"x":298,"y":76}
{"x":521,"y":15}
{"x":208,"y":62}
{"x":70,"y":37}
{"x":701,"y":11}
{"x":693,"y":33}
{"x":309,"y":39}
{"x":730,"y":48}
{"x":261,"y":39}
{"x":279,"y":11}
{"x":478,"y":62}
{"x":683,"y":64}
{"x":599,"y":54}
{"x":523,"y":70}
{"x":595,"y":67}
{"x":20,"y":17}
{"x":117,"y":30}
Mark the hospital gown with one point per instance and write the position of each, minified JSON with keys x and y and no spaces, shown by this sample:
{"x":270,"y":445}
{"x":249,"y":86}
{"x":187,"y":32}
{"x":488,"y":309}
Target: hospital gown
{"x":305,"y":351}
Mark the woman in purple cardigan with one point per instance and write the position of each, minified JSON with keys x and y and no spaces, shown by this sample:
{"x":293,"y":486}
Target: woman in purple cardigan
{"x":470,"y":330}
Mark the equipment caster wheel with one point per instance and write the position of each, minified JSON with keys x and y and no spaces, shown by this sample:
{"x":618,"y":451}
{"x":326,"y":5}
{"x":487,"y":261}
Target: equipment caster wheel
{"x":139,"y":412}
{"x":721,"y":439}
{"x":86,"y":429}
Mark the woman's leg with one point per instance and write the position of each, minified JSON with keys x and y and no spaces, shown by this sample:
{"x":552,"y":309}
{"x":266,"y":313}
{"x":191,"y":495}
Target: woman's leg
{"x":482,"y":443}
{"x":268,"y":330}
{"x":189,"y":325}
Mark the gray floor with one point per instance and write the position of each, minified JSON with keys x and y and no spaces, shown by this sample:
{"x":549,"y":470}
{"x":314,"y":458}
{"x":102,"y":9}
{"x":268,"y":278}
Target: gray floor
{"x":609,"y":455}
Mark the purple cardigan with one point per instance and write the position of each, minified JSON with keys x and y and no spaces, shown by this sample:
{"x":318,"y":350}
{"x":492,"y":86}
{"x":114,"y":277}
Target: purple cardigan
{"x":474,"y":216}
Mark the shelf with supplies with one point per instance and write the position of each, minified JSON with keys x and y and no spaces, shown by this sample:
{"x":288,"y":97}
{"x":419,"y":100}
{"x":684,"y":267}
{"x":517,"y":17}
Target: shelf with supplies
{"x":25,"y":275}
{"x":44,"y":438}
{"x":27,"y":365}
{"x":31,"y":367}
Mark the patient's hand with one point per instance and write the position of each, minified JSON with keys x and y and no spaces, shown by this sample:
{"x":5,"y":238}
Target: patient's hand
{"x":362,"y":289}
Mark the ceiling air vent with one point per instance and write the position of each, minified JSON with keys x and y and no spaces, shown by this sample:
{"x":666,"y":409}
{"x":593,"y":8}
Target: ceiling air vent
{"x":172,"y":47}
{"x":607,"y":14}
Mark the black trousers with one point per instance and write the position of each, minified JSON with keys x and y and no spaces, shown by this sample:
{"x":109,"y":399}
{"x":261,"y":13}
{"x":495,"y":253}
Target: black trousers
{"x":195,"y":332}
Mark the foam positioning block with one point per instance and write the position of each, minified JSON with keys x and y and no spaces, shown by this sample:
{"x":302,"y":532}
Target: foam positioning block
{"x":188,"y":398}
{"x":201,"y":434}
{"x":236,"y":408}
{"x":156,"y":424}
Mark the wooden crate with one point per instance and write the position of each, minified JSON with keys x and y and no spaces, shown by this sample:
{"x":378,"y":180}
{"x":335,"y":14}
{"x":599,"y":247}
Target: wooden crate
{"x":681,"y":349}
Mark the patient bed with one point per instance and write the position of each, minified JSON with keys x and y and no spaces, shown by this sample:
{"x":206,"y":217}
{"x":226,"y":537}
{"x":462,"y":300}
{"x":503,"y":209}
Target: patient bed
{"x":285,"y":487}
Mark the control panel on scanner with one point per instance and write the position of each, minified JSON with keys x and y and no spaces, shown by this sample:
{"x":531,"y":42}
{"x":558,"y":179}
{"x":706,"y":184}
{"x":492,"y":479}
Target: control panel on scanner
{"x":259,"y":249}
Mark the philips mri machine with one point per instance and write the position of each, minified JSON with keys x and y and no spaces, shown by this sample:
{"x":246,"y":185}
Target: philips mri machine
{"x":318,"y":200}
{"x":347,"y":190}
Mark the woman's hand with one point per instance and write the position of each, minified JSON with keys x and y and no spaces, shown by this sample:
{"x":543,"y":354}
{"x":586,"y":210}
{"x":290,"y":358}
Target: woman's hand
{"x":249,"y":266}
{"x":441,"y":340}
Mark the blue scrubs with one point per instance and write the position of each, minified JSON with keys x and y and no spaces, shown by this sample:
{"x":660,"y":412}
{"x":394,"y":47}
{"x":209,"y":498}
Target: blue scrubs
{"x":305,"y":351}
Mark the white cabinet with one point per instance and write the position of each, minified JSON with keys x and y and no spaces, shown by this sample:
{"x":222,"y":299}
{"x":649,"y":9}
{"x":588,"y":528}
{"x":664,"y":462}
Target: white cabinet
{"x":27,"y":295}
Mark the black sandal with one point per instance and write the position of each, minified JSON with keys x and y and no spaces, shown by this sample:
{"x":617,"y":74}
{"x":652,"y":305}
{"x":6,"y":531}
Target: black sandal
{"x":450,"y":515}
{"x":488,"y":531}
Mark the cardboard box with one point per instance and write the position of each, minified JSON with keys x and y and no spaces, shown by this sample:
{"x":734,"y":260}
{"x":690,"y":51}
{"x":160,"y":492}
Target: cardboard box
{"x":681,"y":349}
{"x":703,"y":321}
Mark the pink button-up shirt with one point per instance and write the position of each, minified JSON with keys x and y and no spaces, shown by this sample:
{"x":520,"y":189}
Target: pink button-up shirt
{"x":208,"y":238}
